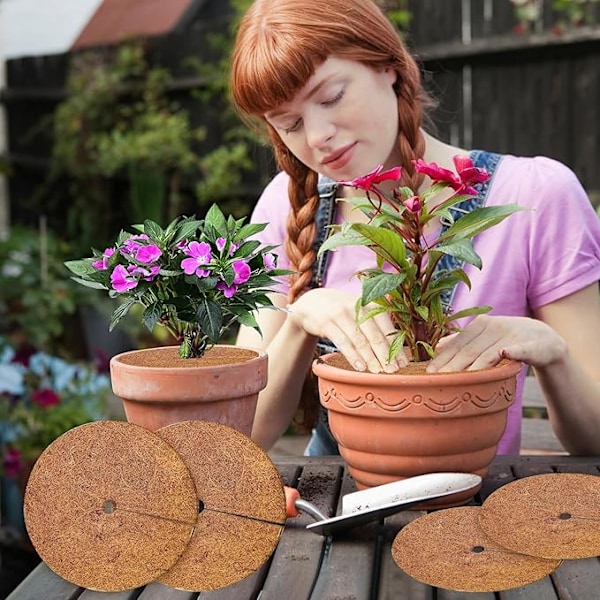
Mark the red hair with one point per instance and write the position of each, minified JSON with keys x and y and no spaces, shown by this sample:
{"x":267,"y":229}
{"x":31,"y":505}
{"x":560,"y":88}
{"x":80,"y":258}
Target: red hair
{"x":278,"y":46}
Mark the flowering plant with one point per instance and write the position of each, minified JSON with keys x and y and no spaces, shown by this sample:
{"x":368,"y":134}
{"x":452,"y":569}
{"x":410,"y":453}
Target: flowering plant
{"x":406,"y":283}
{"x":196,"y":278}
{"x":41,"y":397}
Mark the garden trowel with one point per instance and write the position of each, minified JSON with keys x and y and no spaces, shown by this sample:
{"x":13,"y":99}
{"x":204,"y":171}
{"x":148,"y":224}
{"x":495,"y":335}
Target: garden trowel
{"x":373,"y":504}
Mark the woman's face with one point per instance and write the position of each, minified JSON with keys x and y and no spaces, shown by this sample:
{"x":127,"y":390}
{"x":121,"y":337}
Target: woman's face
{"x":343,"y":122}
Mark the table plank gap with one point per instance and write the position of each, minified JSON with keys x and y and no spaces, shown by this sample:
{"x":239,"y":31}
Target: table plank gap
{"x":158,"y":591}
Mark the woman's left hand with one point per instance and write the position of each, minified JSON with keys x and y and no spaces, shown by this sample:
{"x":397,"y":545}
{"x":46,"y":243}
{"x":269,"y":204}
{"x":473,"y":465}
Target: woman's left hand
{"x":489,"y":339}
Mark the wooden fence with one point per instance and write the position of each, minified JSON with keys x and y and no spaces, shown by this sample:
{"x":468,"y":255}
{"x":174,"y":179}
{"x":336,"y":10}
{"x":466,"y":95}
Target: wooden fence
{"x":532,"y":93}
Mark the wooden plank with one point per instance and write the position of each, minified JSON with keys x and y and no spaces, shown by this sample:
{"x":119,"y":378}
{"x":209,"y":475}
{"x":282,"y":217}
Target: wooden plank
{"x":297,"y":560}
{"x":44,"y":583}
{"x":158,"y":591}
{"x":534,"y":591}
{"x":577,"y":579}
{"x":349,"y":564}
{"x":533,"y":397}
{"x":394,"y":583}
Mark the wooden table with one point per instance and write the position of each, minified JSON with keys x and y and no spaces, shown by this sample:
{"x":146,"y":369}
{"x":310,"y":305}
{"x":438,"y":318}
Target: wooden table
{"x":355,"y":565}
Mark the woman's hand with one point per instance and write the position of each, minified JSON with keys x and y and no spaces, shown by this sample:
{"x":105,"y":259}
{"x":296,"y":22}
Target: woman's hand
{"x":331,"y":314}
{"x":489,"y":339}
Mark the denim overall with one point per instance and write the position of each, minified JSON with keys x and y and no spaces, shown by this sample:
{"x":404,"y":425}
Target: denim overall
{"x":322,"y":441}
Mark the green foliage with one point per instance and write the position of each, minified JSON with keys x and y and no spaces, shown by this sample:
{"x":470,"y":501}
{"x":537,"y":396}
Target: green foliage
{"x":406,"y":283}
{"x":195,"y":278}
{"x":41,"y":397}
{"x":36,"y":294}
{"x":117,"y":119}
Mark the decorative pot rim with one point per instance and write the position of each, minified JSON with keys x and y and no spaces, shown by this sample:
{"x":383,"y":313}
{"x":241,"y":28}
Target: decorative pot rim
{"x":503,"y":370}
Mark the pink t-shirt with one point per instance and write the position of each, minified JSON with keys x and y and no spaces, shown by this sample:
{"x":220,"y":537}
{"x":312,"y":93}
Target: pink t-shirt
{"x":533,"y":258}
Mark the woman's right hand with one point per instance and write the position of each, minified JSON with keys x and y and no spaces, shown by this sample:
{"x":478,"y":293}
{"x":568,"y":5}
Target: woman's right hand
{"x":331,"y":314}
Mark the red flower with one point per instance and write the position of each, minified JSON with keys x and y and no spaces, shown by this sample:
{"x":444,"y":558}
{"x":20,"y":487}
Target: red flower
{"x":376,"y":176}
{"x":468,"y":174}
{"x":45,"y":397}
{"x":12,"y":462}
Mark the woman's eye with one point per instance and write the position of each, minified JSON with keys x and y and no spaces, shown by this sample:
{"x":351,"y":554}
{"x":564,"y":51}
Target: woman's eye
{"x":293,"y":128}
{"x":335,"y":99}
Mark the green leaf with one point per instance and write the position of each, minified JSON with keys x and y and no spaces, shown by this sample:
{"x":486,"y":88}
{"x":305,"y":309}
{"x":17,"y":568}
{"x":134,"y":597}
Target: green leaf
{"x":216,"y":219}
{"x":388,"y":244}
{"x":210,"y":319}
{"x":90,"y":284}
{"x":467,"y":312}
{"x":397,"y":346}
{"x":423,"y":312}
{"x":120,"y":312}
{"x":479,"y":220}
{"x":343,"y":238}
{"x":153,"y":230}
{"x":151,"y":316}
{"x":80,"y":267}
{"x":463,"y":250}
{"x":380,"y":285}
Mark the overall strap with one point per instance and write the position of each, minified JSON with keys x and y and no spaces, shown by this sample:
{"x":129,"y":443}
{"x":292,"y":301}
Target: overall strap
{"x":485,"y":160}
{"x":325,"y":216}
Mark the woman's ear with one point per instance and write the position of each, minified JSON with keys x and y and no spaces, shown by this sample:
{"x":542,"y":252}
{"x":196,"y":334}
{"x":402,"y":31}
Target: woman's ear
{"x":392,"y":75}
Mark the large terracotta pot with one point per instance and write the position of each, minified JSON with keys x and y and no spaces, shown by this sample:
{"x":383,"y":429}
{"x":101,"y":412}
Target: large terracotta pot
{"x":158,"y":388}
{"x":389,"y":427}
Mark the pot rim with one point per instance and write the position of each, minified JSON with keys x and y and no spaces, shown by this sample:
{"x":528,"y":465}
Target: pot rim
{"x":322,"y":368}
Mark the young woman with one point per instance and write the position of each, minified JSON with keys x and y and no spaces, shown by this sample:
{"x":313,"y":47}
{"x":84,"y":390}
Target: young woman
{"x":337,"y":94}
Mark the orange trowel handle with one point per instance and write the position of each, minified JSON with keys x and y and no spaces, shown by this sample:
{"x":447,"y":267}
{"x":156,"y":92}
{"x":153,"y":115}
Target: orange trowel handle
{"x":291,"y":496}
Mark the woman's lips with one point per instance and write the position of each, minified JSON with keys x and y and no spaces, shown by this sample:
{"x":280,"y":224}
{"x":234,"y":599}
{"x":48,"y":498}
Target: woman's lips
{"x":339,"y":159}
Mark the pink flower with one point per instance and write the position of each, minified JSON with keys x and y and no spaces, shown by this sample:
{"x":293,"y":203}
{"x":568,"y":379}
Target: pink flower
{"x":220,"y":243}
{"x":376,"y":176}
{"x":102,"y":264}
{"x":143,"y":273}
{"x":45,"y":397}
{"x":147,"y":254}
{"x":199,"y":254}
{"x":12,"y":462}
{"x":228,"y":290}
{"x":131,"y":244}
{"x":121,"y":279}
{"x":414,"y":204}
{"x":242,"y":272}
{"x":269,"y":262}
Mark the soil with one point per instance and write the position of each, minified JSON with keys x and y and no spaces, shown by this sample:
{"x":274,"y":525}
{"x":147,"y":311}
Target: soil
{"x":169,"y":356}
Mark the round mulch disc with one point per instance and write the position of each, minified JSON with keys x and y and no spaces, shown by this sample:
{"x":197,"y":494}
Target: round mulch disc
{"x":448,"y":549}
{"x":110,"y":506}
{"x":554,"y":515}
{"x":241,"y":506}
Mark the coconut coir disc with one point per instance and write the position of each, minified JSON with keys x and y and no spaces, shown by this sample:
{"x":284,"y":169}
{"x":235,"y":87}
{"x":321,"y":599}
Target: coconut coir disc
{"x":448,"y":549}
{"x":110,"y":506}
{"x":554,"y":515}
{"x":241,"y":500}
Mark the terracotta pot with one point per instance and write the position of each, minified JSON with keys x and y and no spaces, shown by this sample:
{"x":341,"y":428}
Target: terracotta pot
{"x":158,"y":388}
{"x":389,"y":427}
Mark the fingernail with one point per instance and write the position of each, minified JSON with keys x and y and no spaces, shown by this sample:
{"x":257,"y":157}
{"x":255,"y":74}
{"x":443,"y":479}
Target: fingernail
{"x":360,"y":366}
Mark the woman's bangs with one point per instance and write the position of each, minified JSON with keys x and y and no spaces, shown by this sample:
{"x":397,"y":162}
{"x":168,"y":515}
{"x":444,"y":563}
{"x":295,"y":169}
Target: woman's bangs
{"x":272,"y":74}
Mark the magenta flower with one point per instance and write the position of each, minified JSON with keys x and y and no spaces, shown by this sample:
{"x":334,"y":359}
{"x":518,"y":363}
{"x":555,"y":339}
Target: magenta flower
{"x":414,"y":204}
{"x":147,"y":274}
{"x":242,"y":272}
{"x":199,"y":254}
{"x":228,"y":290}
{"x":102,"y":264}
{"x":377,"y":175}
{"x":131,"y":244}
{"x":45,"y":397}
{"x":148,"y":254}
{"x":121,"y":279}
{"x":220,"y":243}
{"x":269,"y":261}
{"x":12,"y":462}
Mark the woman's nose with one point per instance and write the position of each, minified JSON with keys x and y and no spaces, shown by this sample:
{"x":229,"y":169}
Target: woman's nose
{"x":319,"y":131}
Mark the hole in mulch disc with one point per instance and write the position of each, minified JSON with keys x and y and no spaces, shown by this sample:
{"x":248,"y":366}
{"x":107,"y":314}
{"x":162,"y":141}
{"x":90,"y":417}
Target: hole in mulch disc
{"x":565,"y":516}
{"x":477,"y":549}
{"x":200,"y":506}
{"x":109,"y":506}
